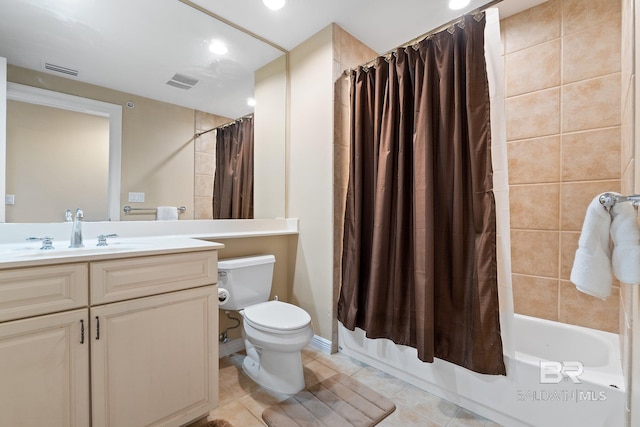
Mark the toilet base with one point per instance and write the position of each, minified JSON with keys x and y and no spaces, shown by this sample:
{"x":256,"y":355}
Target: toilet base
{"x":273,"y":370}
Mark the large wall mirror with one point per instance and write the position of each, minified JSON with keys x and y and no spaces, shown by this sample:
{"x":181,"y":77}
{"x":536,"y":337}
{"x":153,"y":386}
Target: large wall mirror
{"x":62,"y":151}
{"x":151,"y":60}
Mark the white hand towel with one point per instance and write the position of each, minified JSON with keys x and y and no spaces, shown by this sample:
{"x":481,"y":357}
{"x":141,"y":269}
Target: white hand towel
{"x":166,"y":213}
{"x":591,"y":272}
{"x":625,"y":234}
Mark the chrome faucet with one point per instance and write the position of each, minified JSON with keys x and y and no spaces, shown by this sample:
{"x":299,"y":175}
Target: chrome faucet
{"x":76,"y":230}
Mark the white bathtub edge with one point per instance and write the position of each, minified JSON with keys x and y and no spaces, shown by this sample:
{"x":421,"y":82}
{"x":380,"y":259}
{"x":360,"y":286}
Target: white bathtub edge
{"x":438,"y":390}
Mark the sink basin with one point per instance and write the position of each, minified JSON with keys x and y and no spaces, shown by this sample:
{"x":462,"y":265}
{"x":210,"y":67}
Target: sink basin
{"x":62,"y":249}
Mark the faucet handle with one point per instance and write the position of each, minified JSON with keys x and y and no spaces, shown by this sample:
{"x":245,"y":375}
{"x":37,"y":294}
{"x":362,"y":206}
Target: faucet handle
{"x":102,"y":239}
{"x":68,"y":216}
{"x":47,"y":242}
{"x":79,"y":214}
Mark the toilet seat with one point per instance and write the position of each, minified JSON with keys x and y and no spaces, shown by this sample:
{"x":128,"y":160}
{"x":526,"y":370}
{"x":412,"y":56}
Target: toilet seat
{"x":276,"y":317}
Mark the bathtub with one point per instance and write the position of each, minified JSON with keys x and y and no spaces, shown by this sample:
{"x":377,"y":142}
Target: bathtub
{"x":559,"y":375}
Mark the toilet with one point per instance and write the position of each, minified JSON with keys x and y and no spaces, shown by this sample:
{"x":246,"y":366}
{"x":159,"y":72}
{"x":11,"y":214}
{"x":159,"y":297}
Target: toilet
{"x":274,"y":331}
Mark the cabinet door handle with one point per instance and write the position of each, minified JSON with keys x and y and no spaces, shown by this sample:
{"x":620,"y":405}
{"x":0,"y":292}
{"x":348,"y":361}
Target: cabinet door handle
{"x":97,"y":328}
{"x":81,"y":331}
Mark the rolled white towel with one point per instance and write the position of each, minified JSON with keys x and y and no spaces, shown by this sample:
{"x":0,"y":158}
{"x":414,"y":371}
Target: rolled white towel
{"x":166,"y":213}
{"x":591,"y":271}
{"x":625,"y":235}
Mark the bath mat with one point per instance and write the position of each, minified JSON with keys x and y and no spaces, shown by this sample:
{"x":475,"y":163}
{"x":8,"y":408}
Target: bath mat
{"x":203,"y":422}
{"x":339,"y":401}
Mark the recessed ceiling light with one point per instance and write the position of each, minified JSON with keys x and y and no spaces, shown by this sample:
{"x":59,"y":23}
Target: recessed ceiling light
{"x":458,"y":4}
{"x":274,"y":4}
{"x":251,"y":102}
{"x":218,"y":48}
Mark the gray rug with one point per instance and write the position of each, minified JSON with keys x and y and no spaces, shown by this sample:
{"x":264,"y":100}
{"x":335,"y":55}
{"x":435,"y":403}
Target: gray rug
{"x":339,"y":401}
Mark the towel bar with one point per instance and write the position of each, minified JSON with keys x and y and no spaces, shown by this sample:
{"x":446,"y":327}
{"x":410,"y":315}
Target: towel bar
{"x":608,"y":200}
{"x":127,"y":209}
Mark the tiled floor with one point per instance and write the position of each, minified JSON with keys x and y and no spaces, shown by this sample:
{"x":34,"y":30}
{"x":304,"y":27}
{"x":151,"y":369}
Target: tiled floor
{"x":242,"y":401}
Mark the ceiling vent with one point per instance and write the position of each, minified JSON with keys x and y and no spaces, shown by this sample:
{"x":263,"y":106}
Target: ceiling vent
{"x":182,"y":82}
{"x":61,"y":70}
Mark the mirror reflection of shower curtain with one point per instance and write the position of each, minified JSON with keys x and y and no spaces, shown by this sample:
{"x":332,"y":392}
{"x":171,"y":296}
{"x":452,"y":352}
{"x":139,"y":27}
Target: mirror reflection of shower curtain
{"x":419,"y":253}
{"x":233,"y":180}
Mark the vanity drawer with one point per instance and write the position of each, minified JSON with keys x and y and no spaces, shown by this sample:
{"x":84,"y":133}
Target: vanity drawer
{"x":27,"y":292}
{"x":123,"y":279}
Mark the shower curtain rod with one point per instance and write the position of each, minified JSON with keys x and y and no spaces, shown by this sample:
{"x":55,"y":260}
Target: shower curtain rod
{"x":425,"y":35}
{"x":248,"y":116}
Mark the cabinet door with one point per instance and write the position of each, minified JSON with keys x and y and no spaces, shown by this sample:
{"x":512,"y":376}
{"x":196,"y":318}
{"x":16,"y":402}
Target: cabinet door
{"x":155,"y":359}
{"x":44,"y":371}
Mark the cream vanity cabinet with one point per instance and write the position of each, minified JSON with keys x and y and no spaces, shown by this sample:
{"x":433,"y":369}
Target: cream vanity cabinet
{"x":117,"y":342}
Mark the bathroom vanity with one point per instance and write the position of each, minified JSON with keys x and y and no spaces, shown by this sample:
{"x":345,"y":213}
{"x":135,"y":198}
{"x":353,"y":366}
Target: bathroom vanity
{"x":119,"y":336}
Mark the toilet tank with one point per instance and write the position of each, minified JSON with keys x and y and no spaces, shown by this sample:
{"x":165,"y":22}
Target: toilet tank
{"x":248,"y":280}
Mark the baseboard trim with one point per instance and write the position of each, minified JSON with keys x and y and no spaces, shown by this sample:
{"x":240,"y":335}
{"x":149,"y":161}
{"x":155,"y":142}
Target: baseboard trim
{"x":322,"y":344}
{"x":230,"y":347}
{"x":234,"y":346}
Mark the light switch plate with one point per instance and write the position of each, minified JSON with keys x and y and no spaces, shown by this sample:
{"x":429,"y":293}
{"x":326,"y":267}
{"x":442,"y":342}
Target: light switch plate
{"x":10,"y":199}
{"x":136,"y":197}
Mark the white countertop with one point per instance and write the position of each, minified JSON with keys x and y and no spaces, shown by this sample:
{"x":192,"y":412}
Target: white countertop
{"x":28,"y":254}
{"x":201,"y":229}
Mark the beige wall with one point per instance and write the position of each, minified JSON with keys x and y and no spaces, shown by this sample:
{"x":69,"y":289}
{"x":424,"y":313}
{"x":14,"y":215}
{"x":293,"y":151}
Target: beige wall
{"x":562,"y":71}
{"x":269,"y":195}
{"x":56,"y":160}
{"x":310,"y":176}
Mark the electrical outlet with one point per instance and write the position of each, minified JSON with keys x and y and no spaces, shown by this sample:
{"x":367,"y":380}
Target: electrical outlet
{"x":10,"y":199}
{"x":136,"y":197}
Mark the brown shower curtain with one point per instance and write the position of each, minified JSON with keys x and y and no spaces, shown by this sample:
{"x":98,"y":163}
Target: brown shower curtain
{"x":419,"y":251}
{"x":233,"y":181}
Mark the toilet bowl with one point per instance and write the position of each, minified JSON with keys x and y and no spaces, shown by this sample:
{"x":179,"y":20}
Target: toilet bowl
{"x":274,"y":332}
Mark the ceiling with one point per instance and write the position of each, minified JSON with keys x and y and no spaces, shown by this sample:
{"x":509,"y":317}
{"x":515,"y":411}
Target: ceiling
{"x":136,"y":46}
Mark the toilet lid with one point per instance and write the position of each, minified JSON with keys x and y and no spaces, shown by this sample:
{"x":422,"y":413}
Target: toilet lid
{"x":277,"y":315}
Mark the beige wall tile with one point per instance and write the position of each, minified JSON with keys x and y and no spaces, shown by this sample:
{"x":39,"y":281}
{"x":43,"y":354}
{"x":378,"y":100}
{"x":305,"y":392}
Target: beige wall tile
{"x":203,"y":185}
{"x":535,"y":206}
{"x":206,"y":143}
{"x":581,"y":309}
{"x":591,"y":53}
{"x":627,"y":41}
{"x":533,"y":115}
{"x":574,"y":199}
{"x":337,"y":39}
{"x":564,"y":135}
{"x":533,"y":68}
{"x":535,"y":253}
{"x":205,"y":164}
{"x":203,"y":208}
{"x":578,"y":15}
{"x":591,"y":104}
{"x":627,"y":144}
{"x":200,"y":120}
{"x":591,"y":155}
{"x":206,"y":121}
{"x":626,"y":297}
{"x":337,"y":122}
{"x":533,"y":26}
{"x":341,"y":165}
{"x":535,"y":296}
{"x":354,"y":52}
{"x":628,"y":176}
{"x":568,"y":247}
{"x":534,"y":160}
